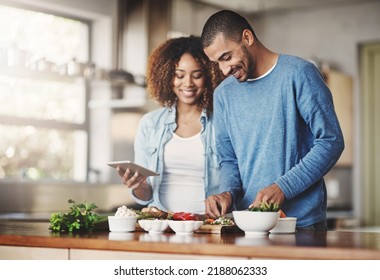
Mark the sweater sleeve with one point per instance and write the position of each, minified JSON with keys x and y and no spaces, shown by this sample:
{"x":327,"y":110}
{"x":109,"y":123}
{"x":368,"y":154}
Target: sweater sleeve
{"x":230,"y":180}
{"x":315,"y":105}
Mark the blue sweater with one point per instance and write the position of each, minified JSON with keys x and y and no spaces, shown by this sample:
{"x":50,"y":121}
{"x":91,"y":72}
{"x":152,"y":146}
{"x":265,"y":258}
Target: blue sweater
{"x":281,"y":129}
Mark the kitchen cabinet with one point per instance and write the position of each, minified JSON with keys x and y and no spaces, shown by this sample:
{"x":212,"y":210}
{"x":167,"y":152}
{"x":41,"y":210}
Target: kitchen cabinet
{"x":340,"y":86}
{"x":82,"y":254}
{"x":32,"y":253}
{"x":39,"y":253}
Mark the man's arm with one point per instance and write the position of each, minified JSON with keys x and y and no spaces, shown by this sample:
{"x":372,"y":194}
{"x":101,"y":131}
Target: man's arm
{"x":316,"y":107}
{"x":230,"y":183}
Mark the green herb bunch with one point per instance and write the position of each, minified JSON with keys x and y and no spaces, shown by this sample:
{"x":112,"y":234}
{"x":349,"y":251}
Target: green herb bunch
{"x":266,"y":207}
{"x":79,"y":218}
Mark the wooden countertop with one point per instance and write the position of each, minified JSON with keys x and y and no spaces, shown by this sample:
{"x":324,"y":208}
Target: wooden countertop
{"x":301,"y":245}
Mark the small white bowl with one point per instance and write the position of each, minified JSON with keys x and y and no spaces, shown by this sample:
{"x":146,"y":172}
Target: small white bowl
{"x":154,"y":226}
{"x":255,"y":223}
{"x":285,"y":225}
{"x":121,"y":224}
{"x":184,"y":227}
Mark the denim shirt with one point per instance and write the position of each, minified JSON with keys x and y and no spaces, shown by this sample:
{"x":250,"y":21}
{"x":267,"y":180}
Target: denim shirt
{"x":155,"y":130}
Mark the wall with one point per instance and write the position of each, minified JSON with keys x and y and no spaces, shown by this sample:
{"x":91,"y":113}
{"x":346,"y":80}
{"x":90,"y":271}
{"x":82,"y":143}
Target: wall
{"x":42,"y":199}
{"x":188,"y":17}
{"x":331,"y":34}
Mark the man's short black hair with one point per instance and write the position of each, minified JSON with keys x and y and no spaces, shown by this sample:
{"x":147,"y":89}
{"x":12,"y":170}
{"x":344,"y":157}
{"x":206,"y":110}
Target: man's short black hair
{"x":229,"y":23}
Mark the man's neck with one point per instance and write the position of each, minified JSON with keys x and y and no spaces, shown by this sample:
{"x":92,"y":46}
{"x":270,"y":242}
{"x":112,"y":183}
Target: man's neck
{"x":264,"y":60}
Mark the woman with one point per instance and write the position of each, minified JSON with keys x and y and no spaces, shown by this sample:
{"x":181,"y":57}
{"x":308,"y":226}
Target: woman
{"x":177,"y":141}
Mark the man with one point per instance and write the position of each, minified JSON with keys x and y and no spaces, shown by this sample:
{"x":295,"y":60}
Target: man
{"x":276,"y":129}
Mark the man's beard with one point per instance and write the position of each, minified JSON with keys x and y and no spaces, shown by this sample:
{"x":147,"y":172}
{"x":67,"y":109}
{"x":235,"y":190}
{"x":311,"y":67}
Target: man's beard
{"x":249,"y":63}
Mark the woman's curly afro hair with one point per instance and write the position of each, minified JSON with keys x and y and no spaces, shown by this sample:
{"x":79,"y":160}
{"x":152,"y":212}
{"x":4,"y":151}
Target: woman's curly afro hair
{"x":163,"y":62}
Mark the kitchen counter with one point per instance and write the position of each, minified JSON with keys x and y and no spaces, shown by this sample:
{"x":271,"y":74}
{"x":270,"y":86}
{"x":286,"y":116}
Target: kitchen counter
{"x":138,"y":245}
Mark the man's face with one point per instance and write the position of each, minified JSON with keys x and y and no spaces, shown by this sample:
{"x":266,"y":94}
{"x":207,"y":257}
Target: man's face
{"x":233,"y":58}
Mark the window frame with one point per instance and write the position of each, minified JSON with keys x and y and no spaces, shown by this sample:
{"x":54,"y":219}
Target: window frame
{"x":26,"y":73}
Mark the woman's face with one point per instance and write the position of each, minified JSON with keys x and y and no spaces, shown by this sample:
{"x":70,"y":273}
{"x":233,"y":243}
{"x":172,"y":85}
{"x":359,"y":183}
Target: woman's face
{"x":189,"y":81}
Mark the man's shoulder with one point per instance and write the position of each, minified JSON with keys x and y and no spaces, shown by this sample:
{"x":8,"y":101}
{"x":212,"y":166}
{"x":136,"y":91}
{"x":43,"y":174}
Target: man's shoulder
{"x":227,"y":83}
{"x":287,"y":60}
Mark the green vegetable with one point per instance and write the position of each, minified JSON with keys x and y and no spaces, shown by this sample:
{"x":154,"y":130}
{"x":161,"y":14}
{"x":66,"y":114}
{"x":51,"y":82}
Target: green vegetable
{"x":144,"y":215}
{"x":223,"y":221}
{"x":79,"y":218}
{"x":266,"y":207}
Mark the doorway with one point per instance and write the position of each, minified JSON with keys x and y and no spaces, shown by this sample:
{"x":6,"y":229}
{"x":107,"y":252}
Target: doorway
{"x":370,"y":124}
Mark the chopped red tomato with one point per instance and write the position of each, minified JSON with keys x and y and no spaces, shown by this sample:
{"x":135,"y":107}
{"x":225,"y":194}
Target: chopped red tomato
{"x":282,"y":214}
{"x":184,"y":216}
{"x":209,"y":221}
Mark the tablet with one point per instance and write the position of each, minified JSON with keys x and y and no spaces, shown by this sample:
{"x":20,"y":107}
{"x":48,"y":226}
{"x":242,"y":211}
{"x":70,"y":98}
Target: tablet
{"x":133,"y":167}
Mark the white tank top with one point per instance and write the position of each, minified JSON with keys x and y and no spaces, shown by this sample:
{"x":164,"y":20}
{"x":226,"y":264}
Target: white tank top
{"x":182,"y":186}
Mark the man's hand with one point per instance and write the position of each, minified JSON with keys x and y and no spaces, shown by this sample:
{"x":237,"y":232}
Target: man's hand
{"x":218,"y":205}
{"x":270,"y":194}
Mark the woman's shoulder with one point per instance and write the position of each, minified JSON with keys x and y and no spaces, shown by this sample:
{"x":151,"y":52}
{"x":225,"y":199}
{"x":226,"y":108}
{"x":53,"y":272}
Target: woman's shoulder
{"x":157,"y":116}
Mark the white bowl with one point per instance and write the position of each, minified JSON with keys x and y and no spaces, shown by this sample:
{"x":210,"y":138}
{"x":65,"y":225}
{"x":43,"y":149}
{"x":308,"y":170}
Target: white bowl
{"x":121,"y":224}
{"x":285,"y":225}
{"x":184,"y":227}
{"x":154,"y":226}
{"x":255,"y":223}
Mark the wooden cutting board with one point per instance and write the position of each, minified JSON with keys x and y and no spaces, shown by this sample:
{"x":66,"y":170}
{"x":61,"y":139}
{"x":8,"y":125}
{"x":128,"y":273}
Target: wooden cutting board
{"x":218,"y":229}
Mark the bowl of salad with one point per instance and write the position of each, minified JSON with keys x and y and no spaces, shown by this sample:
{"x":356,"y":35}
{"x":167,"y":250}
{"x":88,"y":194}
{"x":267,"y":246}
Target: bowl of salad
{"x":184,"y":223}
{"x":257,"y":221}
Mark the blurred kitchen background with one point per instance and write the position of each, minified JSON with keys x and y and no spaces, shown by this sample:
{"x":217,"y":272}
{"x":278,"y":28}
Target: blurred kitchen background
{"x":72,"y":91}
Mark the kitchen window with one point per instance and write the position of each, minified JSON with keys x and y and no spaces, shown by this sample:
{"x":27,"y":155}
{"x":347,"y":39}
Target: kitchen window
{"x":43,"y":96}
